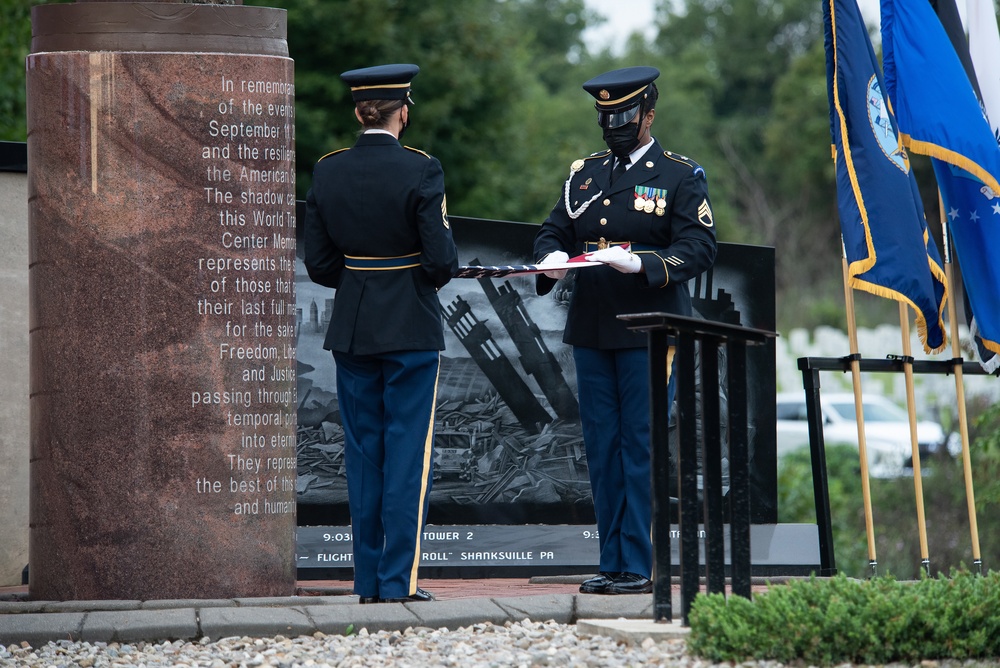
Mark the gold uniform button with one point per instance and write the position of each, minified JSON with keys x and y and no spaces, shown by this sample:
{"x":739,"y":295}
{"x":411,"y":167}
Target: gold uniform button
{"x":604,"y":221}
{"x":607,"y":202}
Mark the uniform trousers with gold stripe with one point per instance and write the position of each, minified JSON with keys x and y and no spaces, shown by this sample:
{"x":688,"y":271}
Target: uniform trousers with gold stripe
{"x":387,"y":410}
{"x":613,"y":386}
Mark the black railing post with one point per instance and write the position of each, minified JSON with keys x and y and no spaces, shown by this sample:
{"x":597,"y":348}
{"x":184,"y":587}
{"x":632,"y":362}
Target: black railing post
{"x":817,"y":452}
{"x":711,"y":456}
{"x":739,"y":470}
{"x":687,"y":463}
{"x":660,"y":473}
{"x":712,"y":336}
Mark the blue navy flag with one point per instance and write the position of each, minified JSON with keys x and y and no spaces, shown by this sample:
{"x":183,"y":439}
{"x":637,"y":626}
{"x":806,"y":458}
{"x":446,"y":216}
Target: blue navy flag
{"x":972,"y":208}
{"x":932,"y":98}
{"x":886,"y":241}
{"x":973,"y":213}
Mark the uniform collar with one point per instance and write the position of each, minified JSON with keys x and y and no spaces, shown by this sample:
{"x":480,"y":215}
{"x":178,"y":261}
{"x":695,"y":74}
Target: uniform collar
{"x":376,"y":139}
{"x":641,"y":170}
{"x":634,"y":156}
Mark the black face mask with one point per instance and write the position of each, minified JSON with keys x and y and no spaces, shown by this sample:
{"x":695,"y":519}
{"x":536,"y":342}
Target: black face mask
{"x":622,"y":140}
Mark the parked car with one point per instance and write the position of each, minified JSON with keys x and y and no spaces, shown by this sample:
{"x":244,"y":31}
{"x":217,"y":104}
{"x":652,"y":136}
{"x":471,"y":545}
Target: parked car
{"x":887,"y":429}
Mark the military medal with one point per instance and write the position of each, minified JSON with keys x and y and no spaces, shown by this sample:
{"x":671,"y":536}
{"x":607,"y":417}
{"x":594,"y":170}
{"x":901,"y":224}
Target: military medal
{"x":649,"y":200}
{"x":641,"y":195}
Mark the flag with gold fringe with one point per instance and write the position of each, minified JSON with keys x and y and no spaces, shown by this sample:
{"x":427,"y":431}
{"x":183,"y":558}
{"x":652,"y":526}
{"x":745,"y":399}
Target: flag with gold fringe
{"x":936,"y":109}
{"x":972,"y":208}
{"x":888,"y":248}
{"x":933,"y":87}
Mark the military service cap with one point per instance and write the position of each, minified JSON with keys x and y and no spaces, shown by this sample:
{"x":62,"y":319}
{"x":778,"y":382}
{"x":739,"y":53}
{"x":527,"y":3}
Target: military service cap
{"x":382,"y":82}
{"x":619,"y":93}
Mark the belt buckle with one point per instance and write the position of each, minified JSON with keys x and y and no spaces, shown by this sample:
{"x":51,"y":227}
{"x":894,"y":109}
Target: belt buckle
{"x":602,"y":243}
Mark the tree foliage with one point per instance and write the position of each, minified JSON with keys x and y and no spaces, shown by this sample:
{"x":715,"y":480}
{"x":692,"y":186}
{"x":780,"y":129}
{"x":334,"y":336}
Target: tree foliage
{"x":499,"y":102}
{"x":488,"y":99}
{"x":15,"y":38}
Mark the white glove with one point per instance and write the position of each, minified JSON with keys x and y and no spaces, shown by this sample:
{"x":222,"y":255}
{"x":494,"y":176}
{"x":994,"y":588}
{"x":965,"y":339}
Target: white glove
{"x":617,"y":257}
{"x":555,"y":257}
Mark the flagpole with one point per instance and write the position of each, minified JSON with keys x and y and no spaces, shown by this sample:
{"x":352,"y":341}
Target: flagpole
{"x":852,"y":335}
{"x":957,"y":359}
{"x":918,"y":484}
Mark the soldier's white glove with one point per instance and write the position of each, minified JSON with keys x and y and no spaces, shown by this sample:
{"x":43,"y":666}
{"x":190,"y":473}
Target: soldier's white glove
{"x":555,"y":257}
{"x":617,"y":257}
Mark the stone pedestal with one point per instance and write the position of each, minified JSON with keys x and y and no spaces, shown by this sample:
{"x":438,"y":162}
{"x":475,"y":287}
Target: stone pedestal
{"x":162,"y":239}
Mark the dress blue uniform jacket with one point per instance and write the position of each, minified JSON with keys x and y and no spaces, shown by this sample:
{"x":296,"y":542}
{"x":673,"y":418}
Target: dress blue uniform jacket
{"x":380,"y":200}
{"x":674,"y":247}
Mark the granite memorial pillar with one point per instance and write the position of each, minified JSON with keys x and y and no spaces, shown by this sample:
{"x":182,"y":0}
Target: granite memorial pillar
{"x":161,"y":252}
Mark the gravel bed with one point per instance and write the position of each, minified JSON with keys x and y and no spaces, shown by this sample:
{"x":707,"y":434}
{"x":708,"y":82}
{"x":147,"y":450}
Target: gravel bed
{"x":482,"y":645}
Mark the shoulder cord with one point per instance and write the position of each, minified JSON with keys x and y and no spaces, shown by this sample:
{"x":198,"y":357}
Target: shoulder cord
{"x":579,"y":212}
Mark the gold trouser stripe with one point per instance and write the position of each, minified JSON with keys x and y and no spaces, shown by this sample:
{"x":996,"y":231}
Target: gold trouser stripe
{"x":425,"y":472}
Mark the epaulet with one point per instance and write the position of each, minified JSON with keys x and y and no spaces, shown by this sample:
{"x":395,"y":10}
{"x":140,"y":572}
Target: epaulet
{"x":416,"y":150}
{"x":578,"y":164}
{"x":684,"y":160}
{"x":339,"y":150}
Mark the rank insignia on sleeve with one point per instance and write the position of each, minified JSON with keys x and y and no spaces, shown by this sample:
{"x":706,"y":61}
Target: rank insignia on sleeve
{"x":444,"y":212}
{"x":705,"y":214}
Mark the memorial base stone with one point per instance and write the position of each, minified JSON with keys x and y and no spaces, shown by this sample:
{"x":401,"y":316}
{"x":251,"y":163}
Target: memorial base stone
{"x":162,"y":240}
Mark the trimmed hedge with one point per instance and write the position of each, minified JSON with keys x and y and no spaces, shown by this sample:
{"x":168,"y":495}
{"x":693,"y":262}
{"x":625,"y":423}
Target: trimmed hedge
{"x":824,"y":621}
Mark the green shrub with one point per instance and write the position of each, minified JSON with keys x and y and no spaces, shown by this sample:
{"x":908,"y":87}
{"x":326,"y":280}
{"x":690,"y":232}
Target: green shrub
{"x":839,"y":620}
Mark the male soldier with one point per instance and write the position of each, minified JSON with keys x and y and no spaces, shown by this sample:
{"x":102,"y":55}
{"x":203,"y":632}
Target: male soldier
{"x":645,"y":213}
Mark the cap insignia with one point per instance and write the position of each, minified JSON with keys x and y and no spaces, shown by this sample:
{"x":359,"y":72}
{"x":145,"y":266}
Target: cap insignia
{"x":604,"y":94}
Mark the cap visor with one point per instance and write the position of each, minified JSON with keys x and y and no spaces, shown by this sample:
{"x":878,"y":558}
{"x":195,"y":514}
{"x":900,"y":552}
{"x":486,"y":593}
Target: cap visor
{"x":610,"y":120}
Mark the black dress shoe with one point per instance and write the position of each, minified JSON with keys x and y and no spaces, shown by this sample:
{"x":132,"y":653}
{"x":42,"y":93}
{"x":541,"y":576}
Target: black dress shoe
{"x":419,"y":597}
{"x":364,"y":600}
{"x":630,"y":583}
{"x":599,"y":584}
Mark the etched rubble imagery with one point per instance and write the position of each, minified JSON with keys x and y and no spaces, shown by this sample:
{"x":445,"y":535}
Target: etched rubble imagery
{"x":507,"y":421}
{"x":507,"y":427}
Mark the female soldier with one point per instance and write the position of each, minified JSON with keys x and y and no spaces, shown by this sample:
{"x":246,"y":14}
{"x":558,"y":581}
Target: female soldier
{"x":377,"y":230}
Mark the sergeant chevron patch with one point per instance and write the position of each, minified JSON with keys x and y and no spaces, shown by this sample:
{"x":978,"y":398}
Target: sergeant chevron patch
{"x":705,"y":214}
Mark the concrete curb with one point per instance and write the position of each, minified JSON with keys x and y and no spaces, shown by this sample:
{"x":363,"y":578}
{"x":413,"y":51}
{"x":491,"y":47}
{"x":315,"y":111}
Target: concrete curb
{"x":36,"y":623}
{"x":633,"y":631}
